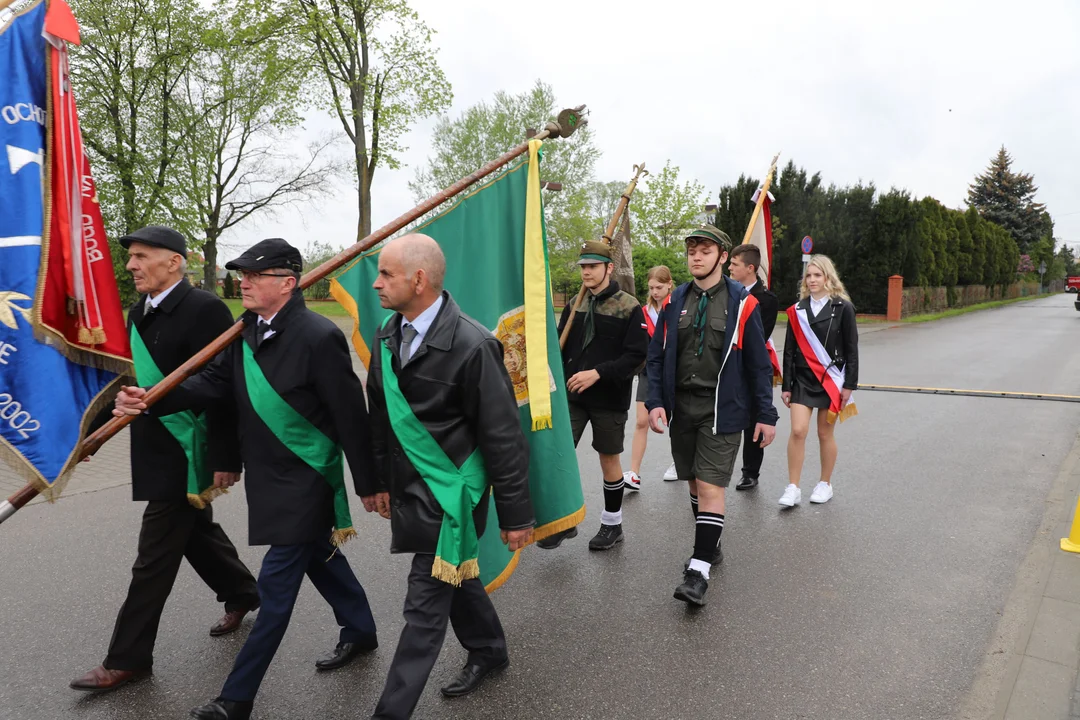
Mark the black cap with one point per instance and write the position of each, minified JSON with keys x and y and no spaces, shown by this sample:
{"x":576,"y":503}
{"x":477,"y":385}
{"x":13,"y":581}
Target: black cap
{"x":157,"y":236}
{"x":268,"y":254}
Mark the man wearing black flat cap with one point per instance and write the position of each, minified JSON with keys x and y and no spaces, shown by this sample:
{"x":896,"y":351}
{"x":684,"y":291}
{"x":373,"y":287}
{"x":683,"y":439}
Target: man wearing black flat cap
{"x":176,"y":463}
{"x":300,"y":405}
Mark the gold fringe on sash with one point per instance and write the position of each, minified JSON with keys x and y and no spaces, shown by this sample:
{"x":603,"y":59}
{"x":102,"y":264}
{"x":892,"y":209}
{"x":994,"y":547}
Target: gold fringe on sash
{"x":849,"y":411}
{"x":206,"y":497}
{"x":342,"y":536}
{"x":444,"y":571}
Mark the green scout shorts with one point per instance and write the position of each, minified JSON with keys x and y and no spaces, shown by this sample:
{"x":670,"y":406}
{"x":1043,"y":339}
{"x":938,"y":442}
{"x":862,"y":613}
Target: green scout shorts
{"x":608,"y":427}
{"x":699,"y":454}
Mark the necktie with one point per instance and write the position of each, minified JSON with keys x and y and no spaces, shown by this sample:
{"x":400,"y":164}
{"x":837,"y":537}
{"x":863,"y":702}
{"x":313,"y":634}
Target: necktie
{"x":589,"y":330}
{"x":148,"y":307}
{"x":260,"y":332}
{"x":408,"y":334}
{"x":699,"y":320}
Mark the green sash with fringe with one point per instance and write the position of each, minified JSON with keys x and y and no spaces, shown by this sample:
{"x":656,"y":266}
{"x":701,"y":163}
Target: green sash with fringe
{"x":303,"y":439}
{"x":186,"y":427}
{"x":457,"y":490}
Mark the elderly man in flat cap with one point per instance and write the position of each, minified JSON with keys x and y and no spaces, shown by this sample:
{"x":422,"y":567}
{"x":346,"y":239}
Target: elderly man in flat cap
{"x":707,"y":367}
{"x":300,"y":405}
{"x":605,"y":349}
{"x":176,"y":462}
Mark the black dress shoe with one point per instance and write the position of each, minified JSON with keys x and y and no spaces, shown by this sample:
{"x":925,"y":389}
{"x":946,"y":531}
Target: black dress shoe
{"x":693,"y":587}
{"x":553,"y":541}
{"x":346,"y":652}
{"x":223,"y":710}
{"x":747,"y":483}
{"x":470,"y":677}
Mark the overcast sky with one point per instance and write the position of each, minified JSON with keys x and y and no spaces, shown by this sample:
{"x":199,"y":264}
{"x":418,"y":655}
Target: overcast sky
{"x":919,"y":96}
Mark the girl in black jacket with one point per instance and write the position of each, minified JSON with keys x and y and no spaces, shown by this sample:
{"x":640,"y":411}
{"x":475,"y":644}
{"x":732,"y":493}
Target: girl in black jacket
{"x":830,"y":318}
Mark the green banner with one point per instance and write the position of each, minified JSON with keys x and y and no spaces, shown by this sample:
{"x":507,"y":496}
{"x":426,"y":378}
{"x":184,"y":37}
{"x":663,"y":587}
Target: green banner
{"x":484,"y":239}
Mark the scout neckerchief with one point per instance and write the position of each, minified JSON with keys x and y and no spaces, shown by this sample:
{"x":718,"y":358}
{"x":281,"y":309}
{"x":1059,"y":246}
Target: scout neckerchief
{"x":824,"y":369}
{"x":457,"y":490}
{"x":303,"y":439}
{"x":186,"y":427}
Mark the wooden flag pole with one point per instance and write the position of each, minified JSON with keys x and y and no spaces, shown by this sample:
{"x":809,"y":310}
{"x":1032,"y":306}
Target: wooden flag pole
{"x":761,"y":199}
{"x":624,"y":202}
{"x":569,"y":121}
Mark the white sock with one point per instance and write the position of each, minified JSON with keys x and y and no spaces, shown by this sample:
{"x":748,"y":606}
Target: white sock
{"x":701,"y":566}
{"x":611,"y":518}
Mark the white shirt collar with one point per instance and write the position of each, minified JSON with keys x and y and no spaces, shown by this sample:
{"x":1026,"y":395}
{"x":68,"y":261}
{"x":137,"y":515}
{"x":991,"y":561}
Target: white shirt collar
{"x":155,"y":301}
{"x":816,"y":305}
{"x":751,"y":286}
{"x":422,"y":323}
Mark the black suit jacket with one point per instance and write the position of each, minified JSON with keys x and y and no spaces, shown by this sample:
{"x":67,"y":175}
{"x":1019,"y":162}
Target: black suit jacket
{"x":458,"y":387}
{"x":769,"y":305}
{"x":185,"y":322}
{"x":836,"y":328}
{"x":308,"y":364}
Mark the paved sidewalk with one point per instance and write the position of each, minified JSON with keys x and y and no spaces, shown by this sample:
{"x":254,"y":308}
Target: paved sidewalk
{"x":1036,"y":651}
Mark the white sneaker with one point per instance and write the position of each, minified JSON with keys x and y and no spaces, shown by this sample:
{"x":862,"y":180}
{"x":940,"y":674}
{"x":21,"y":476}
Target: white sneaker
{"x":670,"y":474}
{"x":631,"y":480}
{"x":822,"y":493}
{"x":792,"y":496}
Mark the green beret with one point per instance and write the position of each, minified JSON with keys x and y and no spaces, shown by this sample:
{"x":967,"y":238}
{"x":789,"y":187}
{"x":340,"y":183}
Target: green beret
{"x":716,"y":235}
{"x":595,"y":251}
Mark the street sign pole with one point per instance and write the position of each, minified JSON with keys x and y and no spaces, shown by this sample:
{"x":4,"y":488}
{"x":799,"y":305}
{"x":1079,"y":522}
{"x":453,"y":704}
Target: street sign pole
{"x":1042,"y":271}
{"x":807,"y":247}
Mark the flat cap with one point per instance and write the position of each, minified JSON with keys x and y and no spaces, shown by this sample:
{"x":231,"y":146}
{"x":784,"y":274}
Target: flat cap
{"x":595,"y":251}
{"x":268,"y":254}
{"x":713,"y":234}
{"x":157,"y":236}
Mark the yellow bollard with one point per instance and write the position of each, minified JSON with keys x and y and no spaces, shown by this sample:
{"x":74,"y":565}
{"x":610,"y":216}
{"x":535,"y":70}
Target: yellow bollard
{"x":1072,"y":543}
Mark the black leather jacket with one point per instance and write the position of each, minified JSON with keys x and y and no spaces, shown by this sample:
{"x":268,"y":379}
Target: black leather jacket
{"x":458,"y":387}
{"x":835,"y":327}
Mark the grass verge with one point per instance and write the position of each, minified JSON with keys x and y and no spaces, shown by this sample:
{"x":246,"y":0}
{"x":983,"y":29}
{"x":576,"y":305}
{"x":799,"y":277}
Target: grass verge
{"x":953,"y":312}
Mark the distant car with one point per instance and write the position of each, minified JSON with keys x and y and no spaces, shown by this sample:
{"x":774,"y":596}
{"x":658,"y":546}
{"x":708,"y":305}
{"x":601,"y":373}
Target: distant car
{"x":1072,"y":284}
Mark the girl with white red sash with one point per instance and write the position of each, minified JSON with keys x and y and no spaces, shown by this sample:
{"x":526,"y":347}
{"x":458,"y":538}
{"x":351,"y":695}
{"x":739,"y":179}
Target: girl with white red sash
{"x":821,"y":370}
{"x":660,"y":286}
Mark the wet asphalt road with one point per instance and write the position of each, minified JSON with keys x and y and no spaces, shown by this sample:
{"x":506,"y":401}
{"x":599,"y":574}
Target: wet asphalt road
{"x":876,"y":605}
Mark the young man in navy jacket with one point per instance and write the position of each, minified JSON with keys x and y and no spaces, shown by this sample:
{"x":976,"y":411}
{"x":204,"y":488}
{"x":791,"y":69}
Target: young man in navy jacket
{"x":703,"y":379}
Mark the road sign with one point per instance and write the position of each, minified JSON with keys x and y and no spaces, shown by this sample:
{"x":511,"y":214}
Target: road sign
{"x":807,"y":244}
{"x":1042,"y":268}
{"x":806,"y":257}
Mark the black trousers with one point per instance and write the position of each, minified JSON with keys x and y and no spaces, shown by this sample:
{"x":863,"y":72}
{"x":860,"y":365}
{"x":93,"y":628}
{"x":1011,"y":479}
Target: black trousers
{"x":171,"y":531}
{"x":752,"y":452}
{"x":429,"y":603}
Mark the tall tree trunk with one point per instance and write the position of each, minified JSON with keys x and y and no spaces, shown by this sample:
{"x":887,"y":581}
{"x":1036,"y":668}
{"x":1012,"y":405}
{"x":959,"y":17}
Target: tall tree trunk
{"x":209,"y":282}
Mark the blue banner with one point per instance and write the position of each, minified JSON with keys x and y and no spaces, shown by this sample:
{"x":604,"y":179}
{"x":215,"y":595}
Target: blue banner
{"x":43,"y":395}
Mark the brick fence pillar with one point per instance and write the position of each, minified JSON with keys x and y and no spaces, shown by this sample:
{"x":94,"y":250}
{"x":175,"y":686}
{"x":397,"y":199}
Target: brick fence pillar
{"x":896,"y":298}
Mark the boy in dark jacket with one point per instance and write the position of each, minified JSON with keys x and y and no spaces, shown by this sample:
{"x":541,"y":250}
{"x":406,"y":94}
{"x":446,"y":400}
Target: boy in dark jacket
{"x":606,"y":347}
{"x":704,"y":378}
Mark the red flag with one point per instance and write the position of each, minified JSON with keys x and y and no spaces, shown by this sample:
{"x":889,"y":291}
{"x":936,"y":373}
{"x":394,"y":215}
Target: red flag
{"x":79,"y":300}
{"x":761,"y":237}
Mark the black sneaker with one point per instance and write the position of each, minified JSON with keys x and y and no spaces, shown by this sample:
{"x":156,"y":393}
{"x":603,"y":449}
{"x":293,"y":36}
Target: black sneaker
{"x":553,"y":541}
{"x":693,"y":587}
{"x":608,"y":537}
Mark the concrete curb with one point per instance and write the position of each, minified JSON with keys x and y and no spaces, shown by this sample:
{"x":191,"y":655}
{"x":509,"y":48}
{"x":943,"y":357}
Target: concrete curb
{"x":1029,"y":671}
